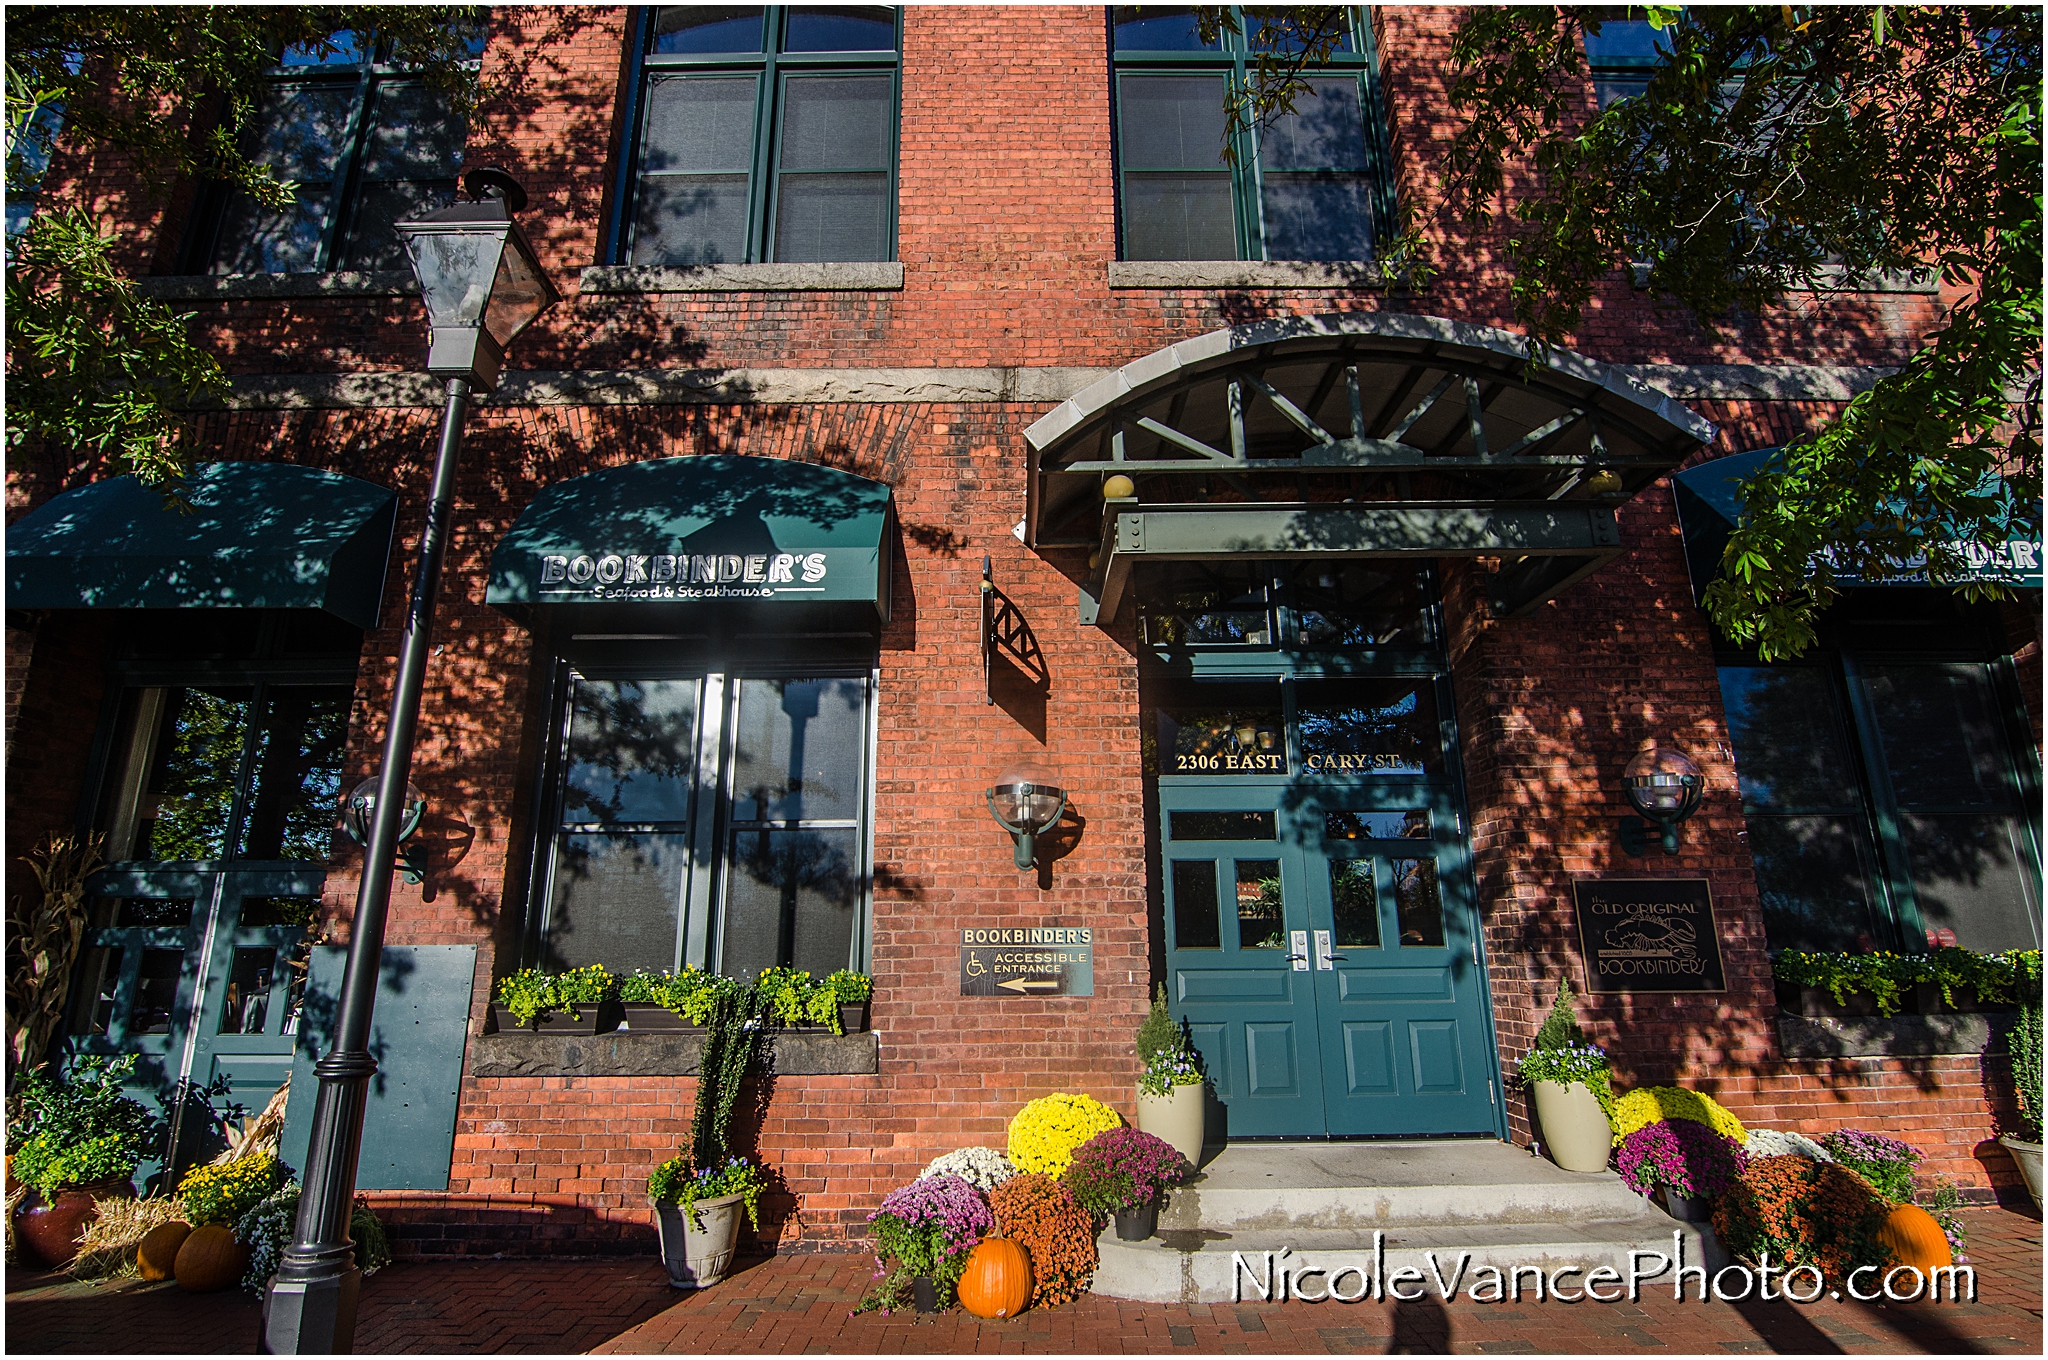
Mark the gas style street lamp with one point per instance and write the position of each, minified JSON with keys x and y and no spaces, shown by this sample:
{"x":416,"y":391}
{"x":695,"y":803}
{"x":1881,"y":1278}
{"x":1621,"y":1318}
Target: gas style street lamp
{"x":482,"y":285}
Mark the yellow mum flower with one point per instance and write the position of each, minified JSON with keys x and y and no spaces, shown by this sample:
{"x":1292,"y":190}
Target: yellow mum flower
{"x":1045,"y":1133}
{"x":1649,"y":1104}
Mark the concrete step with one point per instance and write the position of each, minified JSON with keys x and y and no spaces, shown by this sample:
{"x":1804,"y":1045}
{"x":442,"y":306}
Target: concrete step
{"x":1295,"y":1186}
{"x":1224,"y":1268}
{"x":1261,"y":1210}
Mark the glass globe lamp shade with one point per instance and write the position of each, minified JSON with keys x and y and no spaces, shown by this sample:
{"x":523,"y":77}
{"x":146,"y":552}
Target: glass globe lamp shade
{"x":1026,"y":802}
{"x":361,"y":805}
{"x":1663,"y":785}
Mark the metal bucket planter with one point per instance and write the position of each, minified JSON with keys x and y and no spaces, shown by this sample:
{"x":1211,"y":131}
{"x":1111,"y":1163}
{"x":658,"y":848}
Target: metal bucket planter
{"x":698,"y":1258}
{"x":1575,"y":1129}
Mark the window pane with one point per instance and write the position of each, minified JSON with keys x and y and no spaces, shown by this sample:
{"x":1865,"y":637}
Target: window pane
{"x":1970,"y":875}
{"x":412,"y":135}
{"x":1234,"y":740}
{"x":255,"y":240}
{"x":1612,"y":89}
{"x":92,"y":999}
{"x":1194,"y":905}
{"x":347,"y":50}
{"x":1318,"y":217}
{"x":248,"y":991}
{"x":1260,"y":920}
{"x":836,"y":123}
{"x":1178,"y":217}
{"x":1418,"y":902}
{"x":1361,"y":604}
{"x":832,"y":217}
{"x":1370,"y":727}
{"x":691,"y":219}
{"x":1158,"y":28}
{"x":632,"y":751}
{"x":841,"y":28}
{"x":156,"y":991}
{"x":697,"y":124}
{"x":1791,"y":751}
{"x":791,"y":897}
{"x":616,"y":901}
{"x":263,"y":912}
{"x":1625,"y":40}
{"x":799,"y":750}
{"x":157,"y":913}
{"x":1221,"y":826}
{"x":1171,"y":122}
{"x":1354,"y":903}
{"x":191,"y":788}
{"x":1222,"y":613}
{"x":300,"y":130}
{"x":298,"y":774}
{"x":1377,"y":826}
{"x":1814,"y":874}
{"x":1326,"y":131}
{"x":1942,"y":739}
{"x":372,"y":242}
{"x":706,"y":28}
{"x":1285,"y":41}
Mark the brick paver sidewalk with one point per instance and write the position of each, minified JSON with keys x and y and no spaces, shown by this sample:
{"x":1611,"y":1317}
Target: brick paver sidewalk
{"x":799,"y":1304}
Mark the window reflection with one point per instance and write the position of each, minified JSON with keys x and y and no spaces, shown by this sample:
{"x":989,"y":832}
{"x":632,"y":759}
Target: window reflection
{"x":1418,"y":902}
{"x":1194,"y":905}
{"x":191,"y":786}
{"x":298,"y":774}
{"x":1377,"y":727}
{"x":156,"y":991}
{"x":1261,"y":922}
{"x":632,"y":751}
{"x":1354,"y":903}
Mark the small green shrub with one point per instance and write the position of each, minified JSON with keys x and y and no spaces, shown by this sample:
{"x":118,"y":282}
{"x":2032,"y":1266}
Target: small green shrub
{"x":1159,"y":1033}
{"x":2023,"y":1045}
{"x":1561,"y":1026}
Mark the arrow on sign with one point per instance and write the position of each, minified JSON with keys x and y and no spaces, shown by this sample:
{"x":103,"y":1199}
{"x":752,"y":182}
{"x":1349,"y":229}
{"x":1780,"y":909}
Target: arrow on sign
{"x":1024,"y":985}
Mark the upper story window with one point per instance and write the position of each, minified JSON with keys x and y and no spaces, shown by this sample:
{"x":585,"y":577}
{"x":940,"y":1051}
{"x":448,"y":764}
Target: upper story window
{"x":1623,"y":53}
{"x":362,"y":141}
{"x":1308,"y":185}
{"x":762,"y":133}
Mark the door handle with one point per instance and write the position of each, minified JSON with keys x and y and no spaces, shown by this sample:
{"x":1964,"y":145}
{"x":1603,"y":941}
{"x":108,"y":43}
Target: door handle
{"x":1325,"y":960}
{"x":1297,"y":941}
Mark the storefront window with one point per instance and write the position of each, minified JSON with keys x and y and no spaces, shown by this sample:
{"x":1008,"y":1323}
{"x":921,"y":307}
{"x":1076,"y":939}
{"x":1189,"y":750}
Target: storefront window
{"x":711,"y":818}
{"x":1883,"y":805}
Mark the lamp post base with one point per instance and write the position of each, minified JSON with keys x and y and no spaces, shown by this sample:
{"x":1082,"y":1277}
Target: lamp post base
{"x":314,"y":1317}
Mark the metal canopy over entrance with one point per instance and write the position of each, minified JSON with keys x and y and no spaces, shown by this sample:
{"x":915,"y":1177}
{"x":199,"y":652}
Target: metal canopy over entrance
{"x":1367,"y":435}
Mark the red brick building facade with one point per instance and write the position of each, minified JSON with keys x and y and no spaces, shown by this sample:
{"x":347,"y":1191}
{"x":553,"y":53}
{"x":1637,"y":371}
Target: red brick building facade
{"x":1004,"y":289}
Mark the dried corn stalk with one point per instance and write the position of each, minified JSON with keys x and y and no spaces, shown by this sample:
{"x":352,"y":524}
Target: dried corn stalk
{"x":47,"y":938}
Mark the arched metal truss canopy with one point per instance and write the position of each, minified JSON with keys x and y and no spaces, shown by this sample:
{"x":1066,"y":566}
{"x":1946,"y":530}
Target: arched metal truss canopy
{"x":1361,"y":435}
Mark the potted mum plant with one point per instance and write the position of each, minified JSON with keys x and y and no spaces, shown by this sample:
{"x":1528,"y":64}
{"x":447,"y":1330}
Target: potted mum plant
{"x":1688,"y":1162}
{"x":1125,"y":1173}
{"x":76,"y":1140}
{"x":927,"y":1228}
{"x":1170,"y":1089}
{"x":697,"y":1214}
{"x":1569,"y":1077}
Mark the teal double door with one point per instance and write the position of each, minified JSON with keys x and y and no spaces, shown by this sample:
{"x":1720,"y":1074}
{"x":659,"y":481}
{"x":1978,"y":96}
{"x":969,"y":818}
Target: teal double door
{"x":1321,"y":936}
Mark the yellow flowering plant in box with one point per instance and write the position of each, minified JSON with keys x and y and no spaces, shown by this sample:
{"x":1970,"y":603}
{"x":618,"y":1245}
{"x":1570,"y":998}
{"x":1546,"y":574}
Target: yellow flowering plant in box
{"x":1045,"y":1133}
{"x":1648,"y":1104}
{"x":221,"y":1192}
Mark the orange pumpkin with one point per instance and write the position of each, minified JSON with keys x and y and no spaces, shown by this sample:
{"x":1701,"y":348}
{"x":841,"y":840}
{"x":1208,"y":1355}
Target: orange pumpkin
{"x":211,"y":1259}
{"x":997,"y":1281}
{"x":1915,"y":1239}
{"x":157,"y":1254}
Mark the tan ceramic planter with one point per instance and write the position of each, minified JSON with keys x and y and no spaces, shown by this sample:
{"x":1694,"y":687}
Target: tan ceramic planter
{"x":1176,"y":1117}
{"x":1575,"y":1129}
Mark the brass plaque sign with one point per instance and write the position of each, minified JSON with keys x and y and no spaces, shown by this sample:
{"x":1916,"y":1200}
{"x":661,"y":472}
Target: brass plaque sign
{"x":1027,"y":961}
{"x":1648,"y":935}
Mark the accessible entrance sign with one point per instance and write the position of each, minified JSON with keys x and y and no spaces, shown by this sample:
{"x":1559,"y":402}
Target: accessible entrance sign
{"x":1028,"y":961}
{"x":1648,"y":935}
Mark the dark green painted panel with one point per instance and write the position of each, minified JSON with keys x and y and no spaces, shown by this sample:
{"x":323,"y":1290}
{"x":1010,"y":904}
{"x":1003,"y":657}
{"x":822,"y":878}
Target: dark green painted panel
{"x":417,"y":1036}
{"x":259,"y":535}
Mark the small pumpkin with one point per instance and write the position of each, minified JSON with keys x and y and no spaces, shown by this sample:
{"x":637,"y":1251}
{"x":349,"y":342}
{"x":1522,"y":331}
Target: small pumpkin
{"x":1915,"y":1239}
{"x":997,"y":1281}
{"x":157,"y":1254}
{"x":210,"y":1260}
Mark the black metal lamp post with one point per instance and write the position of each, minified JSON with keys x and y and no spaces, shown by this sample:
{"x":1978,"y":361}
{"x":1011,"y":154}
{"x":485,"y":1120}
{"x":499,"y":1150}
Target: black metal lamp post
{"x":482,"y":285}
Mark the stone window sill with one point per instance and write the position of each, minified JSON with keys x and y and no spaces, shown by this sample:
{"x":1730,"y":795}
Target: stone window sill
{"x":879,"y":276}
{"x":1245,"y":274}
{"x":237,"y":287}
{"x":1834,"y":279}
{"x":621,"y":1053}
{"x":1900,"y":1036}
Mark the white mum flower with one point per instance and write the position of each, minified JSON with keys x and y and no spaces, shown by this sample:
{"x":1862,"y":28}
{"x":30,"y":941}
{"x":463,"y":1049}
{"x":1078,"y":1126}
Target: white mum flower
{"x":1781,"y":1143}
{"x":983,"y":1168}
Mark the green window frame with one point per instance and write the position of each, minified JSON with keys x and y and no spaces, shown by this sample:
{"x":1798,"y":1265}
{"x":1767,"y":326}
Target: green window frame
{"x":1310,"y":185}
{"x":1891,"y":800}
{"x":362,"y":140}
{"x":763,"y":133}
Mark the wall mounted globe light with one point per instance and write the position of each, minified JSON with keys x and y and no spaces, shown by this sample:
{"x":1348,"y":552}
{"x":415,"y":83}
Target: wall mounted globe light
{"x":1664,"y":787}
{"x":359,"y":811}
{"x":482,"y":285}
{"x":1026,"y":803}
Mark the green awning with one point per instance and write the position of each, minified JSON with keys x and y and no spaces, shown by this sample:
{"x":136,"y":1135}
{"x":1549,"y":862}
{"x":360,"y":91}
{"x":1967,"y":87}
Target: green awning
{"x":1710,"y":506}
{"x":259,"y":536}
{"x":766,"y":535}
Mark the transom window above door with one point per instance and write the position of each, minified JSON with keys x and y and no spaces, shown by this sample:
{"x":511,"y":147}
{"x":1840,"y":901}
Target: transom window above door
{"x":718,"y":821}
{"x":1308,"y":184}
{"x":762,"y":133}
